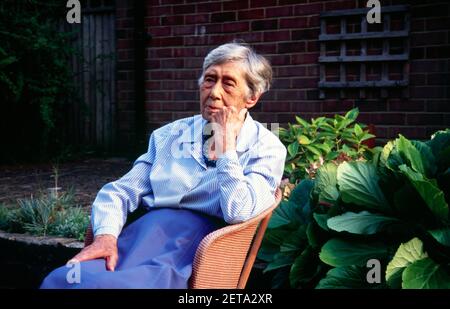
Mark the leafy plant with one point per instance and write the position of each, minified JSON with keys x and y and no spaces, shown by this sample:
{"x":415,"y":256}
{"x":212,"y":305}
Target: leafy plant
{"x":35,"y":76}
{"x":46,"y":215}
{"x":393,"y":208}
{"x":310,"y":144}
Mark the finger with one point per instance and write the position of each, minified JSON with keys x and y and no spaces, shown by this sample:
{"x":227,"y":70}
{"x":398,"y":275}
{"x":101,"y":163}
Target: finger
{"x":111,"y":262}
{"x":89,"y":253}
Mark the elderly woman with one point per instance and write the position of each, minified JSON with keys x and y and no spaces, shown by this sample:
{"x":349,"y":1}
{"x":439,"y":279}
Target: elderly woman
{"x":220,"y":164}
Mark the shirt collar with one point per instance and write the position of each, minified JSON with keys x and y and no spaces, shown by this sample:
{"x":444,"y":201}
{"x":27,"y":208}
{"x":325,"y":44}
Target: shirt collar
{"x":247,"y":135}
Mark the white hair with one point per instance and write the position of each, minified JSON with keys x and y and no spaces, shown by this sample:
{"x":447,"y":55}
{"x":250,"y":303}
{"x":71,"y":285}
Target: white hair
{"x":257,"y":69}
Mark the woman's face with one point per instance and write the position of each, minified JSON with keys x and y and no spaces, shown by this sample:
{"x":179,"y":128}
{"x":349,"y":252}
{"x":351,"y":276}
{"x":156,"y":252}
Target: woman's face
{"x":223,"y":85}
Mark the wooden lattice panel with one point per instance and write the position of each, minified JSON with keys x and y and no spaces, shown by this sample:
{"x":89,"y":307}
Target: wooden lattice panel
{"x":364,"y":37}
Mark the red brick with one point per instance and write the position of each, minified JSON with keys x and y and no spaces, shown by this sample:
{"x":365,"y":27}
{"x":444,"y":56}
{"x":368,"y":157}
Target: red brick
{"x":223,"y":17}
{"x":340,"y":5}
{"x":438,"y":79}
{"x":280,"y":59}
{"x":235,"y":27}
{"x":209,"y":7}
{"x":152,"y":106}
{"x":153,"y":21}
{"x":428,"y":38}
{"x":442,"y":51}
{"x":296,"y":22}
{"x":267,"y":24}
{"x":235,"y":5}
{"x":406,"y":105}
{"x":290,"y":95}
{"x":306,"y":106}
{"x":429,"y":92}
{"x":183,"y":30}
{"x":290,"y":71}
{"x":158,"y":116}
{"x":424,"y":119}
{"x":251,"y":14}
{"x":337,"y":105}
{"x":160,"y":31}
{"x":283,"y":35}
{"x":159,"y":10}
{"x":262,"y":3}
{"x":303,"y":58}
{"x":382,"y":118}
{"x":195,"y":40}
{"x":308,"y":9}
{"x":409,"y":132}
{"x":279,"y":11}
{"x":276,"y":106}
{"x":197,"y":19}
{"x":281,"y":83}
{"x":184,"y":9}
{"x":291,"y":47}
{"x":438,"y":105}
{"x":304,"y":82}
{"x":173,"y":106}
{"x":266,"y":48}
{"x":442,"y":23}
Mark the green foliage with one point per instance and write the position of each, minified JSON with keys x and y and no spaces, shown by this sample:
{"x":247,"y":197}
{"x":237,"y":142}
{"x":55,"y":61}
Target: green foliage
{"x":35,"y":75}
{"x":309,"y":144}
{"x":393,"y":208}
{"x":46,"y":215}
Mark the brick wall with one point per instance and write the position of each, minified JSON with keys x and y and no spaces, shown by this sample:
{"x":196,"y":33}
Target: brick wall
{"x":286,"y":32}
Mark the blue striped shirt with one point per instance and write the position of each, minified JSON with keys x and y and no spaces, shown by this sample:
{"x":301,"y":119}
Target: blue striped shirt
{"x":173,"y":173}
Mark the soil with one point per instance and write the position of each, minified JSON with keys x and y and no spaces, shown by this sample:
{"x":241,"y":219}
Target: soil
{"x":85,"y":177}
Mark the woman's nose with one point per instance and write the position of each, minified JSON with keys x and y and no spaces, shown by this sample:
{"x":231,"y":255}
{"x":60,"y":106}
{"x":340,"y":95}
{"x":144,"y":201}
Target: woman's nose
{"x":215,"y":91}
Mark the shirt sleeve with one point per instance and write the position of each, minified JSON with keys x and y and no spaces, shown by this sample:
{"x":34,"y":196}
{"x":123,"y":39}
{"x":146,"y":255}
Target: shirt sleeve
{"x":117,"y":198}
{"x":247,"y":191}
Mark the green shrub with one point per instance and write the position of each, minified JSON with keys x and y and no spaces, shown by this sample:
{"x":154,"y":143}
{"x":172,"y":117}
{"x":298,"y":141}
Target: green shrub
{"x":35,"y":77}
{"x":46,"y":215}
{"x":393,"y":208}
{"x":310,"y":144}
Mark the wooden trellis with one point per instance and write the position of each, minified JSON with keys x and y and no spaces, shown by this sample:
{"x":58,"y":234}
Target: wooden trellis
{"x":364,"y":36}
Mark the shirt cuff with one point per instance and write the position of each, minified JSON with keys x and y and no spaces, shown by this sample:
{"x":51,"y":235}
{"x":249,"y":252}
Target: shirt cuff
{"x":107,"y":230}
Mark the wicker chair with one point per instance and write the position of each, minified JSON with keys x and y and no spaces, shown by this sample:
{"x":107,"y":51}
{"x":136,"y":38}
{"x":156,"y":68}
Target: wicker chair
{"x":225,"y":257}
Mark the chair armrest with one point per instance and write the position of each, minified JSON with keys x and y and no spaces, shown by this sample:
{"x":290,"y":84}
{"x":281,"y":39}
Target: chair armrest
{"x":221,"y":255}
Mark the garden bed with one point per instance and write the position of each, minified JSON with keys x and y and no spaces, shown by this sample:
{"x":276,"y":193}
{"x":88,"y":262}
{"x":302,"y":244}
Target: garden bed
{"x":85,"y":177}
{"x":26,"y":259}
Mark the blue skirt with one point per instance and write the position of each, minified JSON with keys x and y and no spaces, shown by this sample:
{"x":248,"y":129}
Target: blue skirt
{"x":155,"y":251}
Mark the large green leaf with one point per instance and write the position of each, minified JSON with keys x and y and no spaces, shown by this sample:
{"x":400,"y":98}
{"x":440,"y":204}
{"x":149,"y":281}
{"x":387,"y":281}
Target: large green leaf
{"x":439,"y":141}
{"x":347,"y":277}
{"x":442,"y":236}
{"x":286,"y":213}
{"x":326,"y":184}
{"x":365,"y":223}
{"x":280,"y":260}
{"x":352,"y":114}
{"x":407,"y":150}
{"x":338,"y":252}
{"x":406,"y":254}
{"x":429,"y":191}
{"x":304,"y":268}
{"x":426,"y":274}
{"x":358,"y":183}
{"x":428,"y":159}
{"x":301,"y":193}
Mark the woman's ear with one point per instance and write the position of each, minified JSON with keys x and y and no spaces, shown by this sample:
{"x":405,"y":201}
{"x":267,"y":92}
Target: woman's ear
{"x":252,"y":101}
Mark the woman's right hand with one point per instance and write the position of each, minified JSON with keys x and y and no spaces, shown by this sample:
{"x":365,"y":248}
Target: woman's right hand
{"x":103,"y":246}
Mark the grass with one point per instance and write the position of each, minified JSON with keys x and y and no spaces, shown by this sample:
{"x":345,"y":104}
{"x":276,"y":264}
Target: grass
{"x":48,"y":214}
